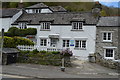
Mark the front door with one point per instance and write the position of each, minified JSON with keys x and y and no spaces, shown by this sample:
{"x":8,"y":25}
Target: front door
{"x":54,"y":42}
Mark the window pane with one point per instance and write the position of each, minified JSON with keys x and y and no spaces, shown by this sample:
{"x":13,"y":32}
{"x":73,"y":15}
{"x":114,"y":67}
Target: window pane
{"x":83,"y":44}
{"x":109,"y":36}
{"x":76,"y":43}
{"x":104,"y":36}
{"x":80,"y":25}
{"x":45,"y":42}
{"x":67,"y":43}
{"x":63,"y":43}
{"x":41,"y":42}
{"x":45,"y":25}
{"x":109,"y":52}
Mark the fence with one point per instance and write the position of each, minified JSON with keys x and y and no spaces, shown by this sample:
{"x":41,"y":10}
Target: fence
{"x":53,"y":49}
{"x":26,"y":47}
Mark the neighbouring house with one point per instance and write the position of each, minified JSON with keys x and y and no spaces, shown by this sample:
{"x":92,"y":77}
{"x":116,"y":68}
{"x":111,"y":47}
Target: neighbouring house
{"x":39,"y":8}
{"x":107,"y":37}
{"x":8,"y":16}
{"x":42,"y":8}
{"x":9,"y":55}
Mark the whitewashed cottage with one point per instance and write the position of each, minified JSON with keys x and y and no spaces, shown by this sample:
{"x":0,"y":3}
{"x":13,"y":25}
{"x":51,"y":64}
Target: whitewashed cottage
{"x":58,"y":29}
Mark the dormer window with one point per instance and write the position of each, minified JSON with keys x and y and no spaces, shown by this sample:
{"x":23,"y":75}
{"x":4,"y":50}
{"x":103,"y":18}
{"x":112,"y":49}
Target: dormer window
{"x":23,"y":25}
{"x":77,"y":25}
{"x":45,"y":26}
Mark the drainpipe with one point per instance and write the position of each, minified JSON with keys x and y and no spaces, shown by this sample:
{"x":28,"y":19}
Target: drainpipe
{"x":2,"y":36}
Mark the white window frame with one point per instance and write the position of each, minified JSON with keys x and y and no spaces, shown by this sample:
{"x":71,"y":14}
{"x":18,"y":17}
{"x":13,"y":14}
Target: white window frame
{"x":22,"y":25}
{"x":66,"y":44}
{"x":106,"y":37}
{"x":76,"y":26}
{"x":109,"y":57}
{"x":80,"y":44}
{"x":45,"y":26}
{"x":42,"y":42}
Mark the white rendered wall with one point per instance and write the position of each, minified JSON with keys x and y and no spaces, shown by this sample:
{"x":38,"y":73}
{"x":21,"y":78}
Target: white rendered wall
{"x":6,"y":23}
{"x":16,"y":16}
{"x":28,"y":26}
{"x":46,"y":11}
{"x":88,"y":34}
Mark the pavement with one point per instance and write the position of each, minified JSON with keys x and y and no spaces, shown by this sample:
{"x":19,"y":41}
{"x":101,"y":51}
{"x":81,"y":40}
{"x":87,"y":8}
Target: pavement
{"x":80,"y":69}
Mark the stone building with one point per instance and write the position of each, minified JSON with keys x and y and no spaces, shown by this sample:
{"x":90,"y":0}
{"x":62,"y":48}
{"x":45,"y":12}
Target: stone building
{"x":107,"y":37}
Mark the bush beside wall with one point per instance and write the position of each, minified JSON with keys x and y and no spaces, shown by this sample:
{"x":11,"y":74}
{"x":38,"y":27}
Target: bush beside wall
{"x":14,"y":31}
{"x":12,"y":42}
{"x":42,"y":57}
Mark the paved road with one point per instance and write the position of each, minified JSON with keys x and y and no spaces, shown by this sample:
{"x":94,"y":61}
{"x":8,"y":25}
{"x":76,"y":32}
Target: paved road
{"x":80,"y":69}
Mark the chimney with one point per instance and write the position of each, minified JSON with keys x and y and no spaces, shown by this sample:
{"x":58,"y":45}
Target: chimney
{"x":21,"y":5}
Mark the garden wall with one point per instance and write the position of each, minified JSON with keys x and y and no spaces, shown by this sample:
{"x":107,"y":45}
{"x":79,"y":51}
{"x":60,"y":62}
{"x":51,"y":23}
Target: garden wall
{"x":114,"y":64}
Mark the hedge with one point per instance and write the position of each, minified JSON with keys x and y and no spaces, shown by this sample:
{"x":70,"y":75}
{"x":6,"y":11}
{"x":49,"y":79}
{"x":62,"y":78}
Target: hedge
{"x":12,"y":42}
{"x":43,"y":58}
{"x":14,"y":31}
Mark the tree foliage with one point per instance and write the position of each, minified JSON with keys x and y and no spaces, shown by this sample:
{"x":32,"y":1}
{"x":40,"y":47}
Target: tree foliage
{"x":14,"y":31}
{"x":103,"y":13}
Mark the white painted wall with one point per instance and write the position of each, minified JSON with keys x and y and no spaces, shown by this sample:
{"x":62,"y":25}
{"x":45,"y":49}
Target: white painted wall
{"x":46,"y":11}
{"x":28,"y":26}
{"x":16,"y":16}
{"x":29,"y":10}
{"x":65,"y":32}
{"x":6,"y":22}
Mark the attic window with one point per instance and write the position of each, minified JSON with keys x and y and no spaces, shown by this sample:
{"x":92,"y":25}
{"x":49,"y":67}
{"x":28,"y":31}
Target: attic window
{"x":23,"y":25}
{"x":45,"y":26}
{"x":77,"y":25}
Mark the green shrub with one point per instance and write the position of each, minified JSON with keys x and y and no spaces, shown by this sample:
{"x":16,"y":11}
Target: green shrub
{"x":14,"y":31}
{"x":35,"y":51}
{"x":42,"y":57}
{"x":55,"y":52}
{"x":9,"y":42}
{"x":12,"y":42}
{"x":43,"y":51}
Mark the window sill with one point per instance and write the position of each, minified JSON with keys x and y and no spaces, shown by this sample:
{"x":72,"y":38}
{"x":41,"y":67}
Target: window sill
{"x":43,"y":46}
{"x":45,"y":30}
{"x":107,"y":41}
{"x":77,"y":30}
{"x":80,"y":48}
{"x":109,"y":58}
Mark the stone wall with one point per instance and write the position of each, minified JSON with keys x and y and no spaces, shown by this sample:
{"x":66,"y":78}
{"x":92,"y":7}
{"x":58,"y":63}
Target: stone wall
{"x":100,"y":44}
{"x":114,"y":64}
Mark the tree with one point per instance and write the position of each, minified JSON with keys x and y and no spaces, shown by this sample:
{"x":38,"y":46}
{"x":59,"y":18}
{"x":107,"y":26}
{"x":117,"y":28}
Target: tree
{"x":103,"y":13}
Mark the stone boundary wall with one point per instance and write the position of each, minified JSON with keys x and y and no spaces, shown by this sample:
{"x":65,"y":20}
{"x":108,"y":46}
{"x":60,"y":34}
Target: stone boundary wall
{"x":114,"y":64}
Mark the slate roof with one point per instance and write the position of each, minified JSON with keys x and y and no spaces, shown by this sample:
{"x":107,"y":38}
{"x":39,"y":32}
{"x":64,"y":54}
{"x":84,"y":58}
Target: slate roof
{"x":10,"y":50}
{"x":8,"y":12}
{"x":58,"y":18}
{"x":57,"y":9}
{"x":109,"y":21}
{"x":39,"y":5}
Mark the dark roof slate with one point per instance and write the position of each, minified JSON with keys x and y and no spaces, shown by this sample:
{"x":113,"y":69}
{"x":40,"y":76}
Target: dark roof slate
{"x":39,"y":5}
{"x":58,"y":18}
{"x":57,"y":9}
{"x":8,"y":12}
{"x":109,"y":21}
{"x":10,"y":50}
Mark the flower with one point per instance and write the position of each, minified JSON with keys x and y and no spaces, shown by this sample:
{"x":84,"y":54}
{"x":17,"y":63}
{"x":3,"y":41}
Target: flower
{"x":66,"y":52}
